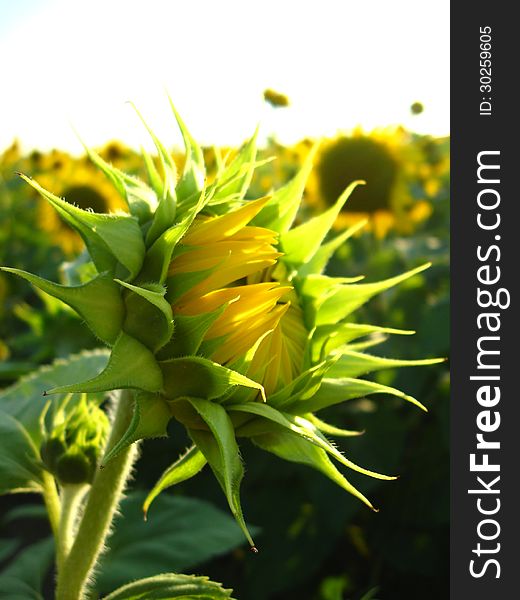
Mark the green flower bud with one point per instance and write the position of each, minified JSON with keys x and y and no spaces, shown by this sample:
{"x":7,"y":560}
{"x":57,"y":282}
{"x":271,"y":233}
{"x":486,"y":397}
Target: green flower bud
{"x":72,"y":449}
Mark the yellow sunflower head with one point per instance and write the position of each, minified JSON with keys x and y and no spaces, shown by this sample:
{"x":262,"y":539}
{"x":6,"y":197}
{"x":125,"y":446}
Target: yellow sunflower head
{"x":387,"y":160}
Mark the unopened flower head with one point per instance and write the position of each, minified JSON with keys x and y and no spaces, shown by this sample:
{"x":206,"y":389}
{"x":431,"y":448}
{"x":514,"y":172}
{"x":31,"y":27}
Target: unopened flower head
{"x":218,"y":313}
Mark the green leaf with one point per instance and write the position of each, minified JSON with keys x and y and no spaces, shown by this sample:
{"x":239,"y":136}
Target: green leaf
{"x":301,"y":243}
{"x":25,"y":402}
{"x":149,"y":317}
{"x":170,"y":586}
{"x":98,"y":302}
{"x":150,"y":420}
{"x":353,"y":364}
{"x":185,"y":467}
{"x":180,"y":534}
{"x":327,"y":338}
{"x":189,"y":333}
{"x":235,"y":179}
{"x":220,"y":449}
{"x":23,"y":578}
{"x":131,"y":365}
{"x":164,"y":215}
{"x":198,"y":377}
{"x":328,"y":429}
{"x":343,"y":299}
{"x":20,"y":464}
{"x":109,"y":238}
{"x":294,"y":448}
{"x":141,"y":200}
{"x":335,"y":391}
{"x":192,"y":179}
{"x":279,"y":213}
{"x":305,"y":429}
{"x":320,"y":260}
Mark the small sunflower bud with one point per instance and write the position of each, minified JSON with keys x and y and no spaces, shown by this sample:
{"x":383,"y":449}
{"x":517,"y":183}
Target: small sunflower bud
{"x":72,"y":450}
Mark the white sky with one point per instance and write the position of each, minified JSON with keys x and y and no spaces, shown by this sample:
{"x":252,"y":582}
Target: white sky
{"x":342,"y":63}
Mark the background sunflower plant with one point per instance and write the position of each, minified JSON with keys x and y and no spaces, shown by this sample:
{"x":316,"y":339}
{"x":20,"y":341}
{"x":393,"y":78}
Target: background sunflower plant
{"x":216,"y":312}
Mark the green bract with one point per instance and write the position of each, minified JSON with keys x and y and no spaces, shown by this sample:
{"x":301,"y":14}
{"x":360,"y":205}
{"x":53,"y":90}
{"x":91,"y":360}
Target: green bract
{"x":217,"y":313}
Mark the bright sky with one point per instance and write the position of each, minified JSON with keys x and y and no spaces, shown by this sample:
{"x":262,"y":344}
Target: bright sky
{"x":341,"y":62}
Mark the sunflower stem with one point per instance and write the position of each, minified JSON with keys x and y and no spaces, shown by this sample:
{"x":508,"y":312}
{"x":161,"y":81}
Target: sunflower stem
{"x":52,"y":502}
{"x":71,"y":497}
{"x":104,"y":498}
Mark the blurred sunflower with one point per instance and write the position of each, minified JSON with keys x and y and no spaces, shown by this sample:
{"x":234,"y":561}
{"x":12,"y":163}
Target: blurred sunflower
{"x":387,"y":160}
{"x":80,"y":183}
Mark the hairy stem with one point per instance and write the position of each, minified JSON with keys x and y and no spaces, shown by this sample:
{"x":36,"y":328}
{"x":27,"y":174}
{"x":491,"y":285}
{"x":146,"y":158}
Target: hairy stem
{"x":52,"y":502}
{"x":71,"y":497}
{"x":104,"y":497}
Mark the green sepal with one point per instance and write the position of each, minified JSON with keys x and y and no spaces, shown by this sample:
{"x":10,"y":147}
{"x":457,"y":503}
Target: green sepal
{"x":327,"y":338}
{"x":185,"y":467}
{"x":304,"y":386}
{"x":325,"y":252}
{"x":164,"y":215}
{"x":150,"y":420}
{"x":335,"y":391}
{"x":281,"y":210}
{"x":98,"y":301}
{"x":219,"y":446}
{"x":171,"y":586}
{"x":192,"y":179}
{"x":109,"y":238}
{"x":301,"y":243}
{"x":305,"y":429}
{"x":153,"y":174}
{"x":292,"y":447}
{"x":236,"y":177}
{"x":342,"y":299}
{"x":149,"y":318}
{"x":189,"y":333}
{"x":131,"y":365}
{"x":328,"y":429}
{"x":140,"y":199}
{"x":353,"y":364}
{"x":198,"y":377}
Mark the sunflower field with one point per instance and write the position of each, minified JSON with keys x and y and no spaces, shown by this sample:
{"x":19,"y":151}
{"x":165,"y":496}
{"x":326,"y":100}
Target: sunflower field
{"x":225,"y":369}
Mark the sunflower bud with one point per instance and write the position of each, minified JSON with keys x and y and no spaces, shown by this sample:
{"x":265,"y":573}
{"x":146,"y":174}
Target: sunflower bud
{"x":72,"y":449}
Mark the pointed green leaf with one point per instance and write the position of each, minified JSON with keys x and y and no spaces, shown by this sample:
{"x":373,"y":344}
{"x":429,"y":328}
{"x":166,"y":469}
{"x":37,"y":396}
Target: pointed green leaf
{"x":328,"y":429}
{"x":98,"y":302}
{"x":153,"y":174}
{"x":294,"y":448}
{"x":344,"y":299}
{"x":150,"y":420}
{"x":192,"y":179}
{"x":220,"y":448}
{"x":301,"y":243}
{"x":131,"y":365}
{"x":242,"y":166}
{"x":165,"y":213}
{"x":300,"y":426}
{"x":320,"y":260}
{"x":171,"y":586}
{"x":185,"y":467}
{"x":353,"y":364}
{"x":199,"y":377}
{"x":141,"y":200}
{"x":327,"y":338}
{"x":109,"y":238}
{"x":279,"y":213}
{"x":304,"y":386}
{"x":335,"y":391}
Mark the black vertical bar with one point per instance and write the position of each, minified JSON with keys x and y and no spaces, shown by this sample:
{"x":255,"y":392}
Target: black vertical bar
{"x":484,"y":126}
